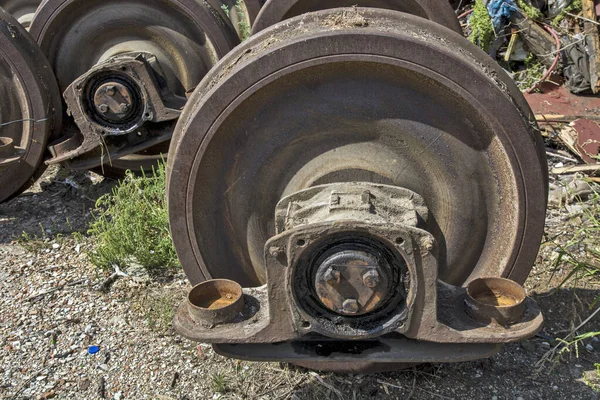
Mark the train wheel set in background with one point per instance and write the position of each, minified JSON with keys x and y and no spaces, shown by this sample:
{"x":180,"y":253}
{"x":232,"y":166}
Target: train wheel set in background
{"x":341,"y":190}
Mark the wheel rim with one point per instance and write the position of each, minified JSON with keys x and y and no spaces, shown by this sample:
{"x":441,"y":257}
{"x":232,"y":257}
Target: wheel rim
{"x":184,"y":35}
{"x":22,"y":10}
{"x":29,"y":95}
{"x":461,"y":161}
{"x":279,"y":10}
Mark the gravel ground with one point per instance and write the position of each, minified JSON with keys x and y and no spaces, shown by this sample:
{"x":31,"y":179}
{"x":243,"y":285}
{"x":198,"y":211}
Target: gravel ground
{"x":52,"y":312}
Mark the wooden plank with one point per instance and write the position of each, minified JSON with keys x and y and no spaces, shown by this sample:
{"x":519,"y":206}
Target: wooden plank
{"x":593,"y":43}
{"x":591,"y":168}
{"x":536,"y":38}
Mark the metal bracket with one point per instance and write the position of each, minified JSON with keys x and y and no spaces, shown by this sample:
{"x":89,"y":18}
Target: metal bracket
{"x":149,"y":100}
{"x":427,"y":311}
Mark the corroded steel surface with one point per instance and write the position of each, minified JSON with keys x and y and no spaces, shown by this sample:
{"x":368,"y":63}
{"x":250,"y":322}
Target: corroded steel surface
{"x":187,"y":37}
{"x":554,"y":103}
{"x":393,"y":99}
{"x":31,"y":104}
{"x":275,"y":11}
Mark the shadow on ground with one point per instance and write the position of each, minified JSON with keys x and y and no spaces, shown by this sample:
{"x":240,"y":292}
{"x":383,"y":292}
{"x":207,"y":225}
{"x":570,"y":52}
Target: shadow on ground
{"x":59,"y":203}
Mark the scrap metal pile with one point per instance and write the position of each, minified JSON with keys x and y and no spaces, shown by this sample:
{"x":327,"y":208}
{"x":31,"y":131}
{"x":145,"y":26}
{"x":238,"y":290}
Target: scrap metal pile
{"x":551,"y":48}
{"x":350,"y":188}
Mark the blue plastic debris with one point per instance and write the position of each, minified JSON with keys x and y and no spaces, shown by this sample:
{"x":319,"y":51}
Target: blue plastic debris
{"x":93,"y":349}
{"x":500,"y":11}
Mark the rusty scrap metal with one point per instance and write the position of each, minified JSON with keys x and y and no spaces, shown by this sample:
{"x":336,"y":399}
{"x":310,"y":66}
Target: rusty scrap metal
{"x":215,"y":302}
{"x":188,"y":38}
{"x":376,"y":146}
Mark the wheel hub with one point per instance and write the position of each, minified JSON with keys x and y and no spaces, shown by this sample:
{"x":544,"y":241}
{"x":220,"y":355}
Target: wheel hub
{"x":114,"y":102}
{"x":352,"y":282}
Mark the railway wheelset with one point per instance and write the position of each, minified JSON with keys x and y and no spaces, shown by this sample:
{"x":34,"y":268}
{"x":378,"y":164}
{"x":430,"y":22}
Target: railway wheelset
{"x":351,"y":188}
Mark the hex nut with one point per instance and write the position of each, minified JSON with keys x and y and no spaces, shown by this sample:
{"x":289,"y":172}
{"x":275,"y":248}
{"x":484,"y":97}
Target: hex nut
{"x":371,"y":279}
{"x":332,"y":276}
{"x":350,"y":306}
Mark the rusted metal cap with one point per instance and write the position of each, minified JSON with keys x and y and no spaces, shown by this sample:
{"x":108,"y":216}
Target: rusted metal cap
{"x":215,"y":302}
{"x":9,"y":154}
{"x":496,"y":300}
{"x":114,"y":101}
{"x":7,"y":147}
{"x":352,"y":282}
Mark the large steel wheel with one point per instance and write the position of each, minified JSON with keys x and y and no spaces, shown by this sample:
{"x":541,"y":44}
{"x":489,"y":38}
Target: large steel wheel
{"x":22,"y":10}
{"x":30,"y":106}
{"x":358,"y":95}
{"x":186,"y":36}
{"x":275,"y":11}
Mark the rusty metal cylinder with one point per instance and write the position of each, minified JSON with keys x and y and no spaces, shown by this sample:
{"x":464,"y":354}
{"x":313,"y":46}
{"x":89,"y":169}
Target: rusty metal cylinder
{"x":7,"y":147}
{"x":496,"y":300}
{"x":214,"y":302}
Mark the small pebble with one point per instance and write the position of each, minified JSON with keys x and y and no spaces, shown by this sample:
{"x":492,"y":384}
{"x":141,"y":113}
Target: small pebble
{"x":55,"y":246}
{"x":545,"y":345}
{"x":589,"y":347}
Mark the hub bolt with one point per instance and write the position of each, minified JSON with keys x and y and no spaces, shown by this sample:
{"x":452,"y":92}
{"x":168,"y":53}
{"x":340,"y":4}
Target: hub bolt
{"x":110,"y":90}
{"x":275,"y":251}
{"x":371,"y":279}
{"x":350,"y":306}
{"x":103,"y":108}
{"x":332,"y":276}
{"x":123,"y":107}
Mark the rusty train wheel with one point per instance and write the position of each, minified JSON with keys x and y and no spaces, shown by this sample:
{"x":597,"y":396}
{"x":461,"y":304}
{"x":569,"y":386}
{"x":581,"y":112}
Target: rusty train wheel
{"x":185,"y":35}
{"x":336,"y":101}
{"x":275,"y":11}
{"x":30,"y":109}
{"x":22,"y":10}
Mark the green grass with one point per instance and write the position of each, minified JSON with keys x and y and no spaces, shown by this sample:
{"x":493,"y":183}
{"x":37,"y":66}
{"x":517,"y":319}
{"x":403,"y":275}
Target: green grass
{"x":583,"y":265}
{"x":219,"y":383}
{"x":533,"y":73}
{"x":158,"y":308}
{"x":131,"y":224}
{"x":586,"y":263}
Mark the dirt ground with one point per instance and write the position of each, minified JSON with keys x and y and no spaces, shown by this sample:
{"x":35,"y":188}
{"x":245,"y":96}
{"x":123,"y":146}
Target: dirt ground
{"x":52,"y":312}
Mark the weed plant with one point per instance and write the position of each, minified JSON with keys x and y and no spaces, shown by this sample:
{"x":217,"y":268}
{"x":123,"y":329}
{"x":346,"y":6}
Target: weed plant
{"x":131,"y":224}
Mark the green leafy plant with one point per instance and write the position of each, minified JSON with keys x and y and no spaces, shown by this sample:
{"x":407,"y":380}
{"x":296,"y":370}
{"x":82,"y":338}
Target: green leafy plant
{"x":482,"y":30}
{"x":243,"y":24}
{"x":529,"y":10}
{"x":131,"y":224}
{"x":573,"y":8}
